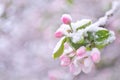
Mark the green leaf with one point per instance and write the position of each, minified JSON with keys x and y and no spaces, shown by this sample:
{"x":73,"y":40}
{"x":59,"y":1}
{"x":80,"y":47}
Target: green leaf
{"x":90,"y":41}
{"x":75,"y":45}
{"x":102,"y":35}
{"x":90,"y":36}
{"x":84,"y":25}
{"x":58,"y":50}
{"x":101,"y":46}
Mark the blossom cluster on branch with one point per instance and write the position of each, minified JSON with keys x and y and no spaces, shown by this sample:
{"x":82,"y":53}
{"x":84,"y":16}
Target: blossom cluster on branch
{"x":81,"y":42}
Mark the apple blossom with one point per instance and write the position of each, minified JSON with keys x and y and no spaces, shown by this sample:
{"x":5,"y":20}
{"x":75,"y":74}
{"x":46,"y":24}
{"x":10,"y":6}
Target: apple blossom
{"x":88,"y":64}
{"x":58,"y":34}
{"x":66,"y":19}
{"x":81,"y":51}
{"x":65,"y":60}
{"x":95,"y":55}
{"x":81,"y":42}
{"x":74,"y":69}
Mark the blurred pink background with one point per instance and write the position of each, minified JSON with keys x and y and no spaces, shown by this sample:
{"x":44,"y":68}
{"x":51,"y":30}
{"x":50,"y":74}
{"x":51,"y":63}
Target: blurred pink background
{"x":27,"y":39}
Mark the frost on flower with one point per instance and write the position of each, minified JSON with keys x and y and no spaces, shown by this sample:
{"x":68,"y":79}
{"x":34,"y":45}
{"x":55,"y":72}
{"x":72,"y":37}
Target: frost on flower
{"x":81,"y":42}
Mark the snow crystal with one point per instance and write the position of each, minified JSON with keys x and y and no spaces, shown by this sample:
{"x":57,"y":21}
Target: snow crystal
{"x":77,"y":36}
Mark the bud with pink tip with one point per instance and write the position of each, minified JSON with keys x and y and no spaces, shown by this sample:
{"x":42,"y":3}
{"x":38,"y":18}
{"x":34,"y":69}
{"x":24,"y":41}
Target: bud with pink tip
{"x":58,"y":34}
{"x":66,"y":19}
{"x":95,"y":55}
{"x":81,"y":51}
{"x":65,"y":60}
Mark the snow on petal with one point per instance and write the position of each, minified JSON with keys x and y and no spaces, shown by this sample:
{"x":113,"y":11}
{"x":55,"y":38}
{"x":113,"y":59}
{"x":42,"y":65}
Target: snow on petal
{"x":77,"y":36}
{"x":82,"y":22}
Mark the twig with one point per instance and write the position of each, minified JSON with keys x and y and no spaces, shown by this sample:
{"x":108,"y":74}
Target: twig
{"x":102,"y":21}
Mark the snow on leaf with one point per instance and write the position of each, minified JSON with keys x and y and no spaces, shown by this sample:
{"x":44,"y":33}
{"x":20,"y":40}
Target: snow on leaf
{"x":58,"y":50}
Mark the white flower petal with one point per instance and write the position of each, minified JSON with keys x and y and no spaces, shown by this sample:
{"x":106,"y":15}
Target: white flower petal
{"x":68,"y":50}
{"x":77,"y":71}
{"x":87,"y":69}
{"x":87,"y":62}
{"x":87,"y":65}
{"x":77,"y":67}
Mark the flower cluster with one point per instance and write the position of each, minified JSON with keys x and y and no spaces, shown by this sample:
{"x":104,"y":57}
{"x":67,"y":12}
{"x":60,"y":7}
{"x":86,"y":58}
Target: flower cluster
{"x":80,"y":60}
{"x":80,"y":43}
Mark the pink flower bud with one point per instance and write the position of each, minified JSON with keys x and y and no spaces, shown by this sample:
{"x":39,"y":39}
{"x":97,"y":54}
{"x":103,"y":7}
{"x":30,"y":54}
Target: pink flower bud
{"x":58,"y":34}
{"x":81,"y":51}
{"x":65,"y":60}
{"x":95,"y":55}
{"x":66,"y":19}
{"x":95,"y":58}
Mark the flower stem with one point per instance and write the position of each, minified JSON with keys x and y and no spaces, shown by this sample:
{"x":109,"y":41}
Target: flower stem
{"x":71,"y":27}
